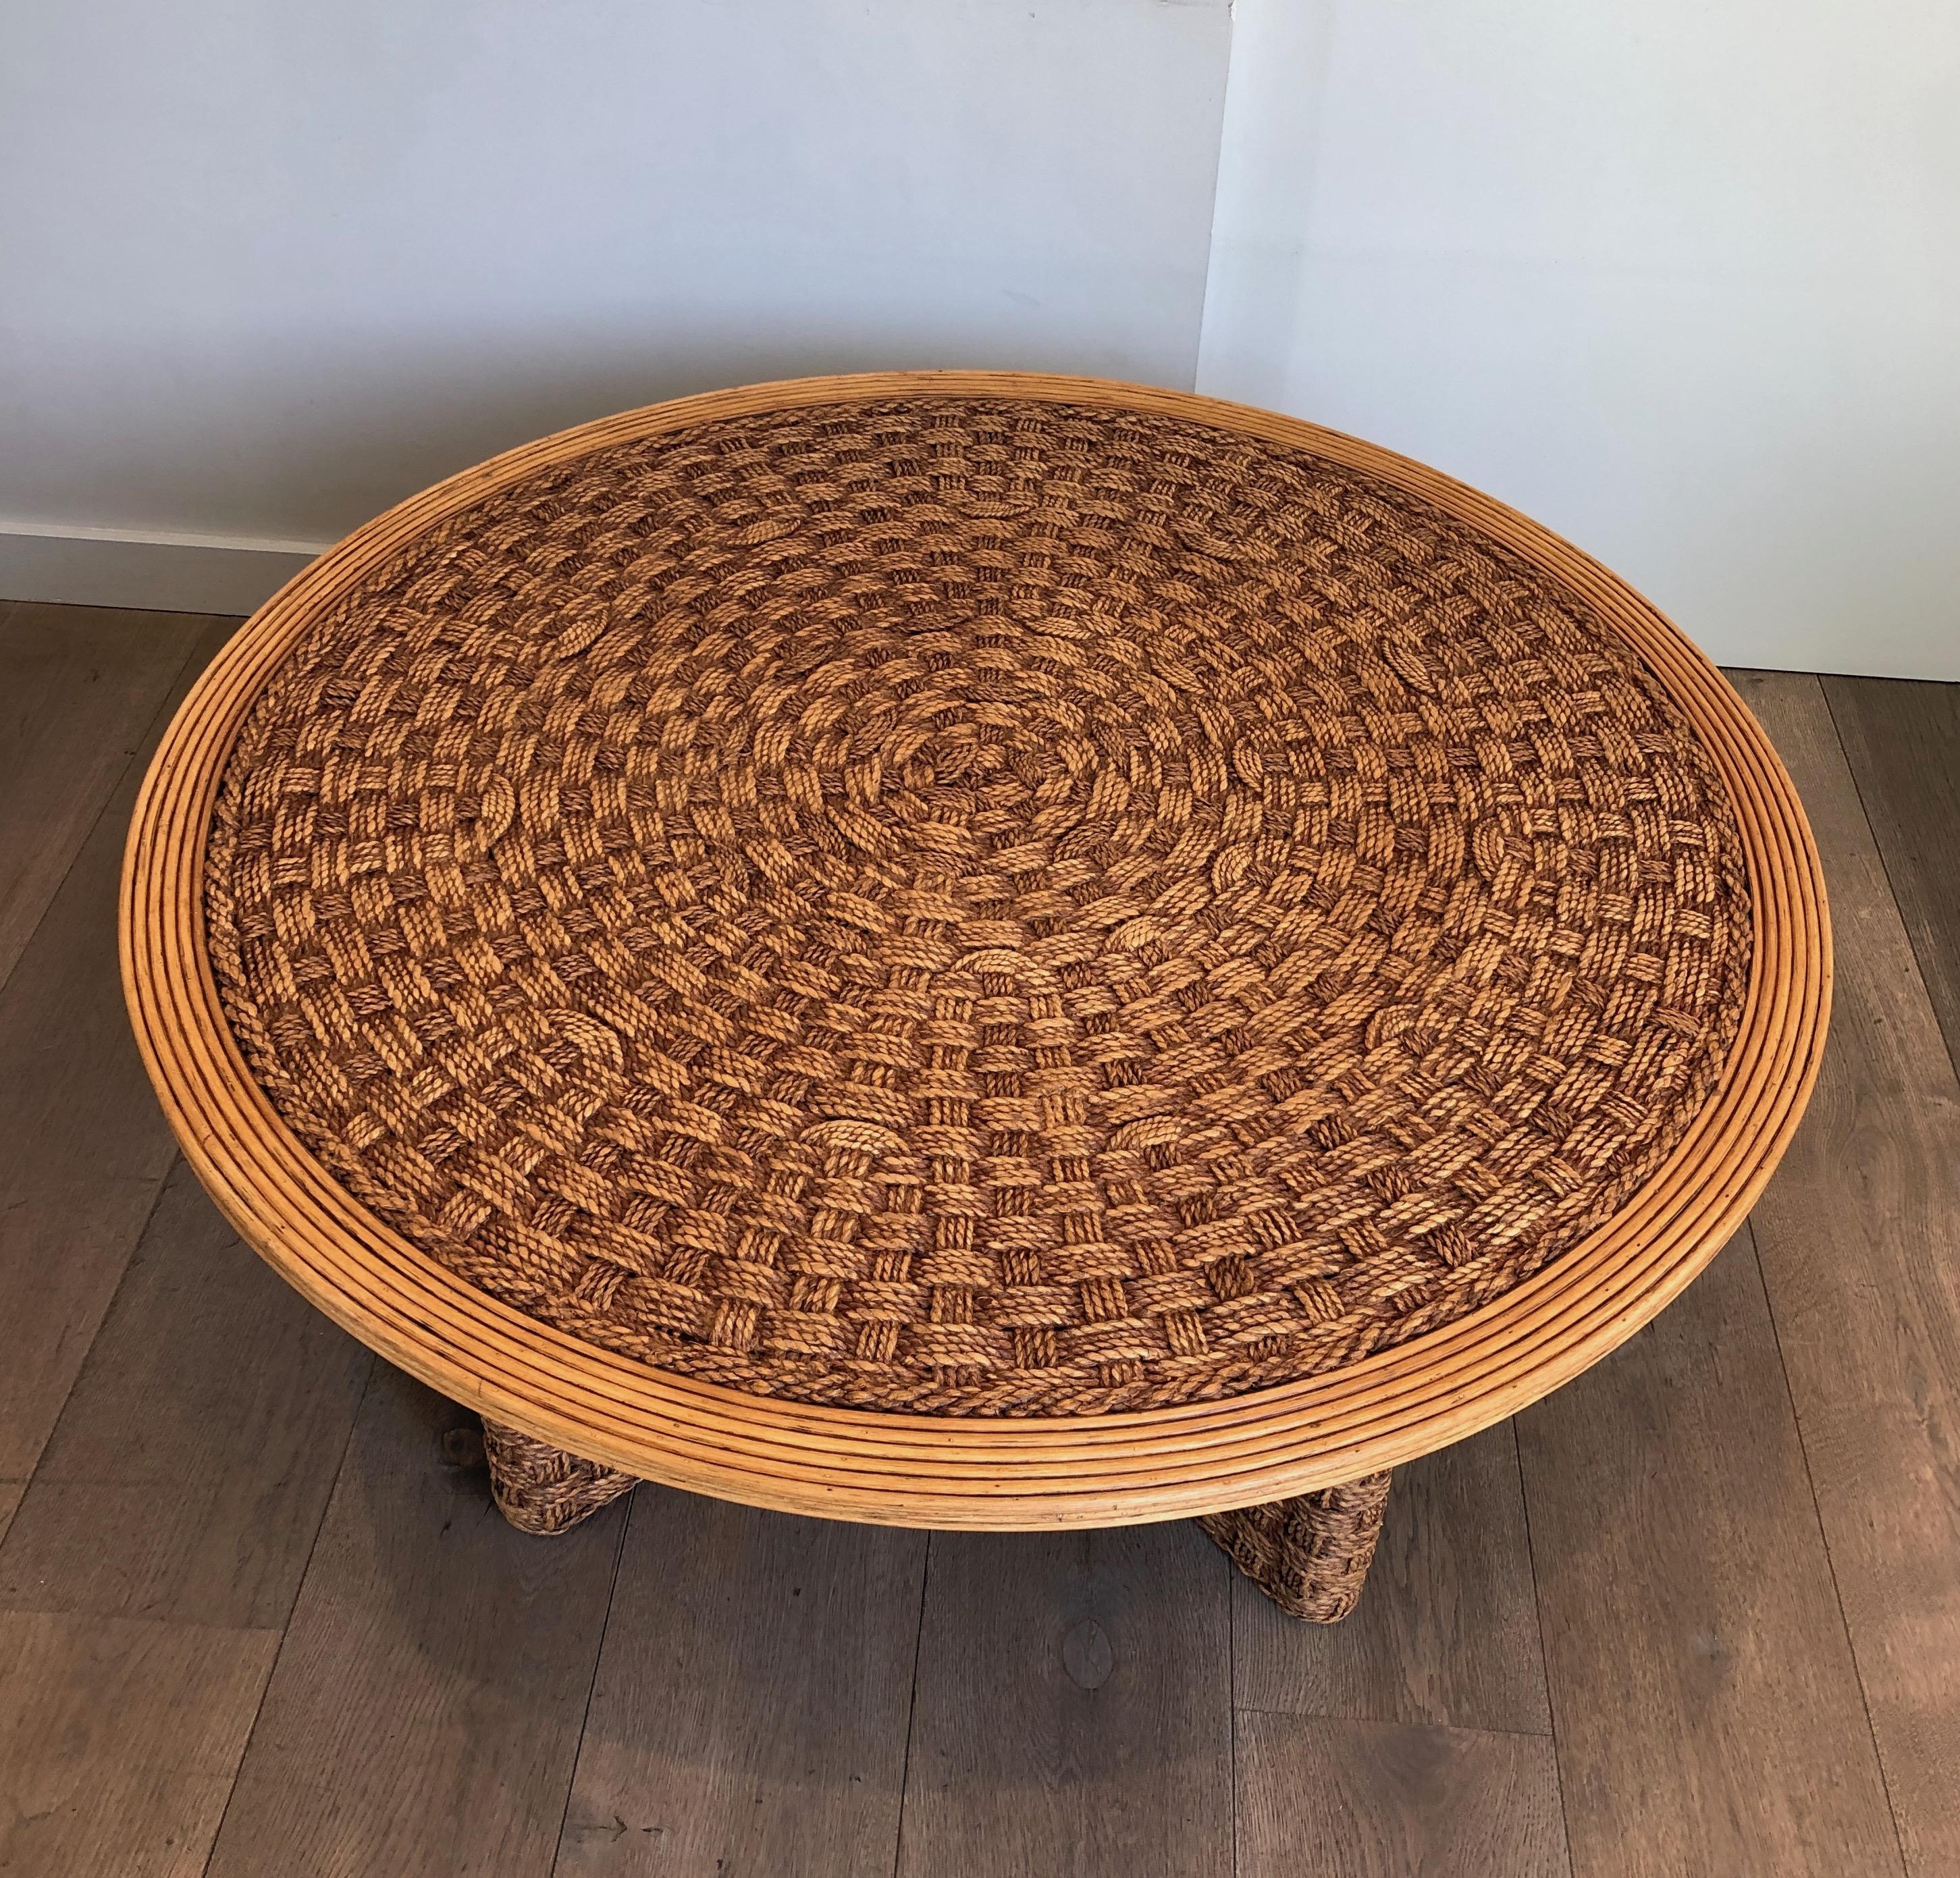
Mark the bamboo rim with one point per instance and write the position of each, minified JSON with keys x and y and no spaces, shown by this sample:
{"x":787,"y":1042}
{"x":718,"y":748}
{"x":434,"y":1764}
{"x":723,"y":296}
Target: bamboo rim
{"x":999,"y":1472}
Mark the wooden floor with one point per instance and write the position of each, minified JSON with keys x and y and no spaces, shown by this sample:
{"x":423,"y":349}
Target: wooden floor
{"x":1697,"y":1613}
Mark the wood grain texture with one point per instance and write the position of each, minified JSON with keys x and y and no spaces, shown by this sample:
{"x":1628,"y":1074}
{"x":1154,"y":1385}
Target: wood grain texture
{"x":1902,"y":740}
{"x":189,"y":1472}
{"x":1858,"y":1238}
{"x":751,"y":1707}
{"x":1340,"y":1799}
{"x":79,"y":688}
{"x":86,"y":1153}
{"x":981,"y":1472}
{"x":118,"y":1740}
{"x":425,"y":1713}
{"x":10,"y":1498}
{"x":1705,"y":1705}
{"x":83,"y":1150}
{"x":1073,"y":1708}
{"x":1446,"y":1631}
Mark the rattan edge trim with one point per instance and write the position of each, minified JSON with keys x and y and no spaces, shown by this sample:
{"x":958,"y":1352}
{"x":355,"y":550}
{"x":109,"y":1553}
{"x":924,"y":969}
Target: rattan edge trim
{"x":961,"y":1472}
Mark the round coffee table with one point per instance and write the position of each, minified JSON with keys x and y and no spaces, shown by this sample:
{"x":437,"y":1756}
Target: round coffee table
{"x":970,"y":949}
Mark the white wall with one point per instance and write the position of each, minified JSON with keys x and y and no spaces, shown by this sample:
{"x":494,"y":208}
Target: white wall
{"x":1679,"y":278}
{"x":270,"y":266}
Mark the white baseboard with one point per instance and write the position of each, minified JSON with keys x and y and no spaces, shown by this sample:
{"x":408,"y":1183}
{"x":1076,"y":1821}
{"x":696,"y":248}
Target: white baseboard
{"x":166,"y":573}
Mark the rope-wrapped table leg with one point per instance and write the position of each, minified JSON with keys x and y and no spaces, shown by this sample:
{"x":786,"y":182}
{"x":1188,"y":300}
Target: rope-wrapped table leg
{"x":540,"y":1488}
{"x":1310,"y":1554}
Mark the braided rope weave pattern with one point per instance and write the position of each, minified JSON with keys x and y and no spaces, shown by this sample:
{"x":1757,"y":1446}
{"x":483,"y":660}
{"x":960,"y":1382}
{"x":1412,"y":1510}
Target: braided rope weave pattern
{"x":976,"y":906}
{"x":1310,"y":1554}
{"x":541,"y":1489}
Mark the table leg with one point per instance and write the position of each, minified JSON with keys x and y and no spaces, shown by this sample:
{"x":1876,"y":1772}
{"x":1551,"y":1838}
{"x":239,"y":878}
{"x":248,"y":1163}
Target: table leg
{"x":540,"y":1488}
{"x":1310,"y":1554}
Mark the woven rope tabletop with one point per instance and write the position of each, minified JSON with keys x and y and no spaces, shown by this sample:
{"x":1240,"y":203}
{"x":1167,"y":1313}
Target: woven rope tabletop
{"x":975,"y":905}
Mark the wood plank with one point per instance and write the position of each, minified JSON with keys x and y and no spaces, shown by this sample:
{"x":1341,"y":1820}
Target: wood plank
{"x":79,"y":685}
{"x":10,"y":1498}
{"x":1446,"y":1631}
{"x":118,"y":1740}
{"x":1706,"y":1707}
{"x":1857,"y":1235}
{"x":190,"y":1470}
{"x":1073,"y":1707}
{"x":425,"y":1714}
{"x":1340,"y":1799}
{"x":1902,"y":739}
{"x":751,"y":1707}
{"x":86,"y":1147}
